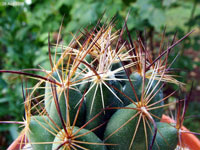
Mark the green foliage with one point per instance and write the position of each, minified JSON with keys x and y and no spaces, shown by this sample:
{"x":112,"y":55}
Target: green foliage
{"x":166,"y":138}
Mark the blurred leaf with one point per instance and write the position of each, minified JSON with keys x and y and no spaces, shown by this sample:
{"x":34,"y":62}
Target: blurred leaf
{"x":3,"y":84}
{"x":21,"y":33}
{"x":145,"y":8}
{"x":89,"y":11}
{"x":157,"y":19}
{"x":168,"y":3}
{"x":72,"y":26}
{"x":3,"y":100}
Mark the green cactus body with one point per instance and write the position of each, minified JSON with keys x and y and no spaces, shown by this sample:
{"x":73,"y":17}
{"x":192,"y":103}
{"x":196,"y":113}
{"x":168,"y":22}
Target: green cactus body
{"x":80,"y":73}
{"x":90,"y":139}
{"x":117,"y":89}
{"x":137,"y":83}
{"x":74,"y":97}
{"x":95,"y":106}
{"x":125,"y":134}
{"x":84,"y":87}
{"x":39,"y":133}
{"x":166,"y":138}
{"x":82,"y":67}
{"x":48,"y":92}
{"x":119,"y":75}
{"x":128,"y":91}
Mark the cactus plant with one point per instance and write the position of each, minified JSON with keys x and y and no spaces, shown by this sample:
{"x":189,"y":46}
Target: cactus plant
{"x":102,"y":92}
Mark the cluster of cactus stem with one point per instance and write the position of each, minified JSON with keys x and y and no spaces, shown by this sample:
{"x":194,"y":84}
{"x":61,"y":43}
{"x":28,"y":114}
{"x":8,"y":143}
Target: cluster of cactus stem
{"x":102,"y":92}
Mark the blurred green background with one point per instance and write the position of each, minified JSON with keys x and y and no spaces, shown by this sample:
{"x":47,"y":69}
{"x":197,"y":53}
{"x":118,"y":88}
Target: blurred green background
{"x":24,"y":28}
